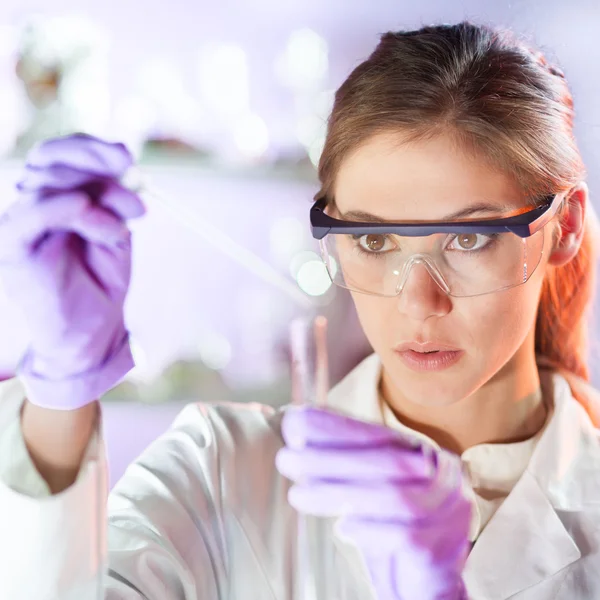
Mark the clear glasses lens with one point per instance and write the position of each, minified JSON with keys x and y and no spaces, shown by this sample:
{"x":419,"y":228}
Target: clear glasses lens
{"x":463,"y":264}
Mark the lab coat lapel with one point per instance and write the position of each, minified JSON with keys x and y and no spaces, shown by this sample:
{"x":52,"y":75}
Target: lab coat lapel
{"x":524,"y":543}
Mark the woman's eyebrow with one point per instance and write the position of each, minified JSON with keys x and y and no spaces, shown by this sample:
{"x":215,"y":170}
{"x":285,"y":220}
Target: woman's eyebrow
{"x":498,"y":210}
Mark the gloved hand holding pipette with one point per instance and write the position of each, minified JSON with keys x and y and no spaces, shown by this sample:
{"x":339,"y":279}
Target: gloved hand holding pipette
{"x":65,"y":260}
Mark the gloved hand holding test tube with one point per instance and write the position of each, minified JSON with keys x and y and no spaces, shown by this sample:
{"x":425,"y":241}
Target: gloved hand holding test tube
{"x":398,"y":500}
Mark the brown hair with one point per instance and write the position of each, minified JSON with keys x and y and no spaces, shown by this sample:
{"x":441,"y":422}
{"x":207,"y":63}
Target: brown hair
{"x":499,"y":100}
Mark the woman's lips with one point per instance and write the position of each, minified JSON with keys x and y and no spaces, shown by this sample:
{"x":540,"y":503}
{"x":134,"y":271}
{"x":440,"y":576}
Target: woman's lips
{"x":425,"y":346}
{"x":429,"y":356}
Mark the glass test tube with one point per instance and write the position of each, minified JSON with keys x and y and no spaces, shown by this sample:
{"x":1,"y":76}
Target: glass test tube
{"x":315,"y":574}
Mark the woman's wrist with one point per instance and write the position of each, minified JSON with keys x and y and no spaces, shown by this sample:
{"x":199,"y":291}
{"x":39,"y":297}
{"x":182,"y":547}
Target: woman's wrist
{"x":56,"y":441}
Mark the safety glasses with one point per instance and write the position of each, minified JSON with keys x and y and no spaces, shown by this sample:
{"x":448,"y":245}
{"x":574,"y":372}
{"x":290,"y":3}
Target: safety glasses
{"x":467,"y":257}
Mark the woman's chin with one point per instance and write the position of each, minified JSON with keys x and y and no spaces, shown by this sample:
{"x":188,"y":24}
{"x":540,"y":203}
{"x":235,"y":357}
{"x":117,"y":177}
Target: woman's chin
{"x":433,"y":389}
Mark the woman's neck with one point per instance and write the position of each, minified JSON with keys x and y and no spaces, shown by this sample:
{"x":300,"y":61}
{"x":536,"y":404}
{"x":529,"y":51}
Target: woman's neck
{"x":508,"y":408}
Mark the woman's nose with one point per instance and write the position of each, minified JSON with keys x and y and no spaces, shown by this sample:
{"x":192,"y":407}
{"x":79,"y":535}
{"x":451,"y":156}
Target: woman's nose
{"x":421,"y":296}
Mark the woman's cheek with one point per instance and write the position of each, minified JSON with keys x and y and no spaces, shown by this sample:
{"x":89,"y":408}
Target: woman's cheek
{"x":379,"y":320}
{"x":500,"y":325}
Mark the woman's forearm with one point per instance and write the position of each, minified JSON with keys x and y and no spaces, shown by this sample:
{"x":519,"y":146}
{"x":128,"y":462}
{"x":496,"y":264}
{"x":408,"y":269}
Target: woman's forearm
{"x":56,"y":441}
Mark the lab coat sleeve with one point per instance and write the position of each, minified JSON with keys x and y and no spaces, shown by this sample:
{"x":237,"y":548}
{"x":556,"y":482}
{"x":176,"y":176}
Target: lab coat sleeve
{"x":154,"y":545}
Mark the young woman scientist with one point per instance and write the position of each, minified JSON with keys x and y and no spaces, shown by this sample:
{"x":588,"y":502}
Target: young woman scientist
{"x":463,"y":453}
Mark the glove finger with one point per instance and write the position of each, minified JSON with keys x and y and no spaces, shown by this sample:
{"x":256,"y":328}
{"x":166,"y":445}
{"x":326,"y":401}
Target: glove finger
{"x":407,"y":502}
{"x":110,"y":193}
{"x":56,"y":177}
{"x":310,"y":426}
{"x":100,"y":226}
{"x":84,"y":153}
{"x":122,"y":201}
{"x":112,"y":266}
{"x":26,"y":223}
{"x":376,"y":539}
{"x":387,"y":462}
{"x":444,"y":536}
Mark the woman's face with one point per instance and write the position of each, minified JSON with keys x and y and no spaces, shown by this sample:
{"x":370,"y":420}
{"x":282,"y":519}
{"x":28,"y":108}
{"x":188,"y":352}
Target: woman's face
{"x":427,"y":181}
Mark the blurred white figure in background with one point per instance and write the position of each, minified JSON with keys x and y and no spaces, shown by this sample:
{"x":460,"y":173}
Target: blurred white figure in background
{"x":63,"y":65}
{"x":12,"y":110}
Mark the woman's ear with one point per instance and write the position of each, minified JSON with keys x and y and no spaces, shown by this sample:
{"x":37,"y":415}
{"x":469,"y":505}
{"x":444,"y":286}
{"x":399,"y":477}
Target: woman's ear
{"x":570,"y":228}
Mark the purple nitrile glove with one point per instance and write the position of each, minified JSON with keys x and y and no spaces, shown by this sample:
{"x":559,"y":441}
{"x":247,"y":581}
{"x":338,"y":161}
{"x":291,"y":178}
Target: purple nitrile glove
{"x":65,"y":260}
{"x":400,"y":504}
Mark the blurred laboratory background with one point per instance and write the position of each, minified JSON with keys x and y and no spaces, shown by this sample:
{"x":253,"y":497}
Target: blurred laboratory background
{"x":225,"y":106}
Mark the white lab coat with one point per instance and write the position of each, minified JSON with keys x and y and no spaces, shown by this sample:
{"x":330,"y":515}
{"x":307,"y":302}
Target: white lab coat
{"x":202,"y":515}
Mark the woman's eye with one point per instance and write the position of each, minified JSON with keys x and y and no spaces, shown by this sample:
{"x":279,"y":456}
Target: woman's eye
{"x":373,"y":242}
{"x":469,"y":241}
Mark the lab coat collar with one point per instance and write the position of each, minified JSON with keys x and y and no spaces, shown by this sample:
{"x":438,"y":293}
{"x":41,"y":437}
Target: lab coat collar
{"x":561,"y":476}
{"x":565,"y":461}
